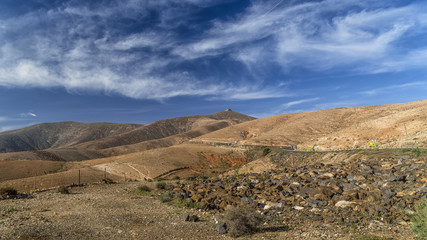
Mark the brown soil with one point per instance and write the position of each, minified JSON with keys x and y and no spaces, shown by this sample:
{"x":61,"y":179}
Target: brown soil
{"x":115,"y":211}
{"x":15,"y":169}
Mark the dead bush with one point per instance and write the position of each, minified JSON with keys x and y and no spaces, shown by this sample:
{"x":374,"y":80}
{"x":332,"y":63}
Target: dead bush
{"x":242,"y":221}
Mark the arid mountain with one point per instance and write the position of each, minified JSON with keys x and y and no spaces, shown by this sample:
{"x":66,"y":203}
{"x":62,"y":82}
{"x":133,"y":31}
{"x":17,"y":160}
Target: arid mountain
{"x":60,"y":134}
{"x":79,"y":141}
{"x":397,"y":125}
{"x":189,"y":146}
{"x":169,"y":127}
{"x":69,"y":150}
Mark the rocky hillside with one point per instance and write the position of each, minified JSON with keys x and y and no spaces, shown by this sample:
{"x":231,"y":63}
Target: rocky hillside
{"x":397,"y":125}
{"x":370,"y":193}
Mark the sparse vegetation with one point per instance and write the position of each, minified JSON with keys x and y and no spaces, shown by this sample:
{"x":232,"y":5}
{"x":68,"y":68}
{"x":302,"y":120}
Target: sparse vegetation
{"x":242,"y":221}
{"x":8,"y":191}
{"x":9,"y":210}
{"x":161,"y":185}
{"x":164,"y":198}
{"x":417,"y":152}
{"x":266,"y":151}
{"x":63,"y":190}
{"x":419,"y":220}
{"x":144,"y":188}
{"x":202,"y":177}
{"x":176,"y":178}
{"x":186,"y":203}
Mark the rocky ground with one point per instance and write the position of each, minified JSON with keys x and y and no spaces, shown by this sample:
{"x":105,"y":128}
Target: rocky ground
{"x":371,"y":195}
{"x":353,"y":199}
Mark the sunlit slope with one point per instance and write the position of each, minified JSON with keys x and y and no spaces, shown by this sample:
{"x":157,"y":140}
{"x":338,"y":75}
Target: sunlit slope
{"x":396,"y":125}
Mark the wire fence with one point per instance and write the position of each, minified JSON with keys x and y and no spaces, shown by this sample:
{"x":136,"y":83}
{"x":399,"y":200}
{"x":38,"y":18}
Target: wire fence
{"x":87,"y":175}
{"x":71,"y":177}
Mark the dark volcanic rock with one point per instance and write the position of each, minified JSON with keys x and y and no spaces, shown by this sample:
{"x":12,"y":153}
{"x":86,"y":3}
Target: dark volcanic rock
{"x":360,"y":193}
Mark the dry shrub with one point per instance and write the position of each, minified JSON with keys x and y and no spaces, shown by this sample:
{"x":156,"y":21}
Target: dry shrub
{"x":8,"y":191}
{"x":63,"y":190}
{"x":161,"y":185}
{"x":242,"y":221}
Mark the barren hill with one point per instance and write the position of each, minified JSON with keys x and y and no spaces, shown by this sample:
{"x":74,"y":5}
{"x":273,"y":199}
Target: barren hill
{"x":95,"y":136}
{"x":169,"y":127}
{"x":397,"y":125}
{"x":60,"y":134}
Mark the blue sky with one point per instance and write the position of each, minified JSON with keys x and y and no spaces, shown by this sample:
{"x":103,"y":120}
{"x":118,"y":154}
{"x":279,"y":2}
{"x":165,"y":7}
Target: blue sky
{"x":140,"y":61}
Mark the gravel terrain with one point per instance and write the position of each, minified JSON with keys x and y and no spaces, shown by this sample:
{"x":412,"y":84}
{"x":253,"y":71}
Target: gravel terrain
{"x":115,"y":211}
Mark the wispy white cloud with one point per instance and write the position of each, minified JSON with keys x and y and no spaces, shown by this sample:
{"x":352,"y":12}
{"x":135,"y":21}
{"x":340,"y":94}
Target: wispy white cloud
{"x":88,"y":49}
{"x":304,"y":36}
{"x":28,"y":114}
{"x":4,"y":119}
{"x":293,"y":103}
{"x":287,"y":108}
{"x":8,"y":123}
{"x":390,"y":88}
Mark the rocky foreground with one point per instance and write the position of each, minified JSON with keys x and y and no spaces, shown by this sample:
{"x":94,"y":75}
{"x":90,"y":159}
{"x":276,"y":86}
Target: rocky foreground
{"x":353,"y":194}
{"x":366,"y":198}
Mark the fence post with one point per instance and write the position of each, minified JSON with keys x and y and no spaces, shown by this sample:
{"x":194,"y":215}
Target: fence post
{"x":105,"y":172}
{"x":79,"y":177}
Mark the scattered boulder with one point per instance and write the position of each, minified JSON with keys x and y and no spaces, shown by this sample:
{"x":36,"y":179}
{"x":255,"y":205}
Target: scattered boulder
{"x":221,"y":228}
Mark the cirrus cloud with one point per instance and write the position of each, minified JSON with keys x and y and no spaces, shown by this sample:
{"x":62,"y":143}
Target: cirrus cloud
{"x":155,"y":49}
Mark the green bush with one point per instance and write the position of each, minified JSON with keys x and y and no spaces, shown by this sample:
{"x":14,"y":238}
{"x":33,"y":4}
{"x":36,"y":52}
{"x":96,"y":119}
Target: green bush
{"x":161,"y":185}
{"x":419,"y":220}
{"x":266,"y":151}
{"x":9,"y":210}
{"x":417,"y":152}
{"x":242,"y":221}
